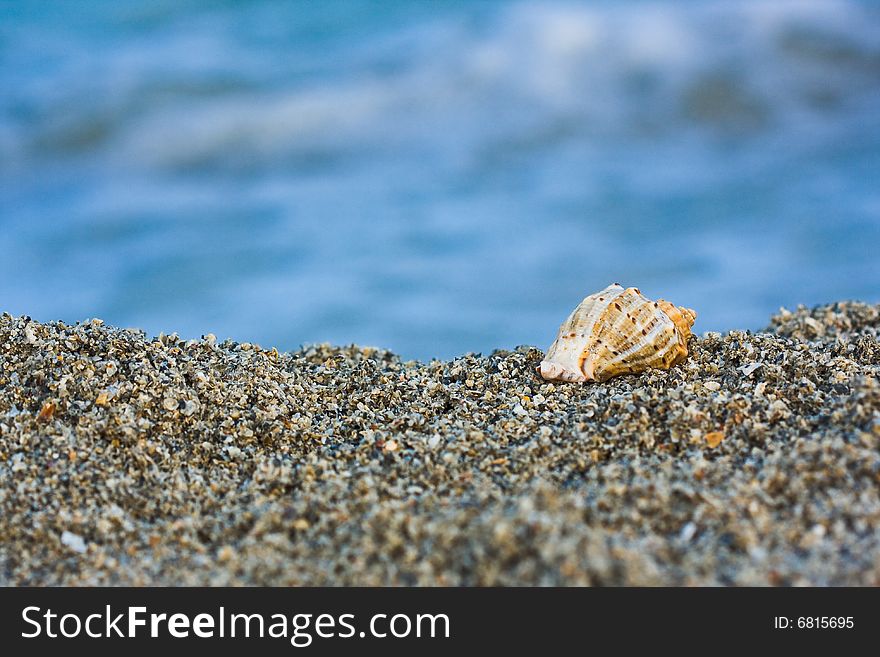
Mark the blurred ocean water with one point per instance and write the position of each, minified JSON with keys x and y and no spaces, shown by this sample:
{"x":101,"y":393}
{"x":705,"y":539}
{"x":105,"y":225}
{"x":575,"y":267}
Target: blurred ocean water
{"x":434,"y":178}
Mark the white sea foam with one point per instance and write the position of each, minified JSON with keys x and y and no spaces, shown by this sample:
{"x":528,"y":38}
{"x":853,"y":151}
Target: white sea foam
{"x":605,"y":68}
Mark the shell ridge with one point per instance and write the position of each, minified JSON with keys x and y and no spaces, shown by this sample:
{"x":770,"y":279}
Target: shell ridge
{"x":565,"y":357}
{"x":620,"y":323}
{"x":640,"y":344}
{"x":657,"y":355}
{"x":610,"y":334}
{"x":617,"y":333}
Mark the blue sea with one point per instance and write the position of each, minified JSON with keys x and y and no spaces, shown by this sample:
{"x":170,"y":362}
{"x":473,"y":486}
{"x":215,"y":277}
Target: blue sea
{"x":433,"y":178}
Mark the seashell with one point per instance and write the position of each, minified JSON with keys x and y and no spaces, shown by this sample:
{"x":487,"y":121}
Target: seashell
{"x":618,"y":331}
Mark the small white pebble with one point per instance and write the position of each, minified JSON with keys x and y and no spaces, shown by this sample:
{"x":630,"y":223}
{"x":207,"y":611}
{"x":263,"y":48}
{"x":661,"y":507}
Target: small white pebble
{"x":687,"y":532}
{"x":757,"y":553}
{"x":778,"y":410}
{"x":29,"y":336}
{"x":74,"y":541}
{"x":748,"y":369}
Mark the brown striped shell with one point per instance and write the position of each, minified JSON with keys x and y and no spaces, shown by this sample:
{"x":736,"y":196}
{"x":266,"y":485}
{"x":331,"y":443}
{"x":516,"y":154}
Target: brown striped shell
{"x":618,"y":331}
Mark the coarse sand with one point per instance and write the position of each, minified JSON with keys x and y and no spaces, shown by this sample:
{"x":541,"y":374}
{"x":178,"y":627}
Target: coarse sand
{"x":127,"y":460}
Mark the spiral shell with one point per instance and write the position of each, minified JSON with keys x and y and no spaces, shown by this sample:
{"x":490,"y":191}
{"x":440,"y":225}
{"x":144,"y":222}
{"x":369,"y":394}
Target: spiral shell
{"x":618,"y":331}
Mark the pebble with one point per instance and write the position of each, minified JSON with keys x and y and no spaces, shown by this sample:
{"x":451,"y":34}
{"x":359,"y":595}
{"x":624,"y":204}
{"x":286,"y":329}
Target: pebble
{"x":748,"y":369}
{"x":73,"y":541}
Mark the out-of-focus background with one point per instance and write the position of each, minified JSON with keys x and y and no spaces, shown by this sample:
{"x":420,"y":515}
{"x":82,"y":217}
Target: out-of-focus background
{"x":434,"y":178}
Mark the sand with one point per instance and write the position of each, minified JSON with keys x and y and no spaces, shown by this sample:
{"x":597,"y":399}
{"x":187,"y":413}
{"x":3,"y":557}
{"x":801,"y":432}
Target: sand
{"x":127,"y":460}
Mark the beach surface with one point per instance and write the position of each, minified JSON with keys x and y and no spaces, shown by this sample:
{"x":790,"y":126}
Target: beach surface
{"x":133,"y":461}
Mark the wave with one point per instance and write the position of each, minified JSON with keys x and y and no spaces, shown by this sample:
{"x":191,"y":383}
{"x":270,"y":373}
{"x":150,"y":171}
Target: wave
{"x":521,"y":77}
